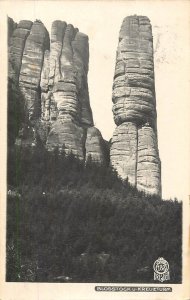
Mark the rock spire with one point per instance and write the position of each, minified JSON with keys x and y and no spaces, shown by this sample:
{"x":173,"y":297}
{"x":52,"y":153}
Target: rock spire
{"x":134,"y":147}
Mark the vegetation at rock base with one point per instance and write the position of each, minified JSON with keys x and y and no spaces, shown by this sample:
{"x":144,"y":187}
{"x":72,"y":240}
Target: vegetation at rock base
{"x":67,"y":222}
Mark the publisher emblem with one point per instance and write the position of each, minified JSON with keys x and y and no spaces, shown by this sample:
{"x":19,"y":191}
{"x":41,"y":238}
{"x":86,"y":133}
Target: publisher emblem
{"x":161,"y":269}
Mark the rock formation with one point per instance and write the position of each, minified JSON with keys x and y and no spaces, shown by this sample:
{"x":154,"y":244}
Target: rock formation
{"x":52,"y":76}
{"x":134,"y":150}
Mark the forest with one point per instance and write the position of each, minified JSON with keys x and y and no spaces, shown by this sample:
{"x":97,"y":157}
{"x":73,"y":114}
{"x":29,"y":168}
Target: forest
{"x":70,"y":222}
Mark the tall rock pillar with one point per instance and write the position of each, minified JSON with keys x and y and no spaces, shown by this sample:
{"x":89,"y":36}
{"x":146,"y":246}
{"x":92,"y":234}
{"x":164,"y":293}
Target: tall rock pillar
{"x":134,"y":149}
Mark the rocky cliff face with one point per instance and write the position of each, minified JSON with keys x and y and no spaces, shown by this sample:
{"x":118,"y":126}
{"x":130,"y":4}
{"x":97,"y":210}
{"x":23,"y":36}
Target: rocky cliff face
{"x":134,"y":150}
{"x":51,"y":73}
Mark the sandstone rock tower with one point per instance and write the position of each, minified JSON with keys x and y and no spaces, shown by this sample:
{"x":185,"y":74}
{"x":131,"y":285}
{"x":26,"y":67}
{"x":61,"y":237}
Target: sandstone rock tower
{"x":134,"y":149}
{"x":51,"y":74}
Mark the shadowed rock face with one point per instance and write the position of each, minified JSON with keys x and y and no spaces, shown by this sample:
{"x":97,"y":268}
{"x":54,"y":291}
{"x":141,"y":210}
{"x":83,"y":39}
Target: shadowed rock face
{"x":52,"y":76}
{"x":134,"y":150}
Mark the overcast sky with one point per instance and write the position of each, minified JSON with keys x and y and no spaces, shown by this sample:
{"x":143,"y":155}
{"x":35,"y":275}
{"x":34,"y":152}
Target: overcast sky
{"x":101,"y":21}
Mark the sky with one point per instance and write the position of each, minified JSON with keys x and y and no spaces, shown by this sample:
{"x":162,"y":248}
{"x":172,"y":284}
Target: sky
{"x":101,"y":21}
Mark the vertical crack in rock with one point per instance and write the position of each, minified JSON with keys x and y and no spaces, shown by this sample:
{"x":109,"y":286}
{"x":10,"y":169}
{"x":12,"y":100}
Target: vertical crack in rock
{"x":134,"y":150}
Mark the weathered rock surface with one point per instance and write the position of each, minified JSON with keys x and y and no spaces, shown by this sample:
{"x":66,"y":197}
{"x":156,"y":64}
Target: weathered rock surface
{"x":67,"y":135}
{"x":65,"y":98}
{"x":133,"y":88}
{"x":32,"y":59}
{"x":123,"y":152}
{"x":17,"y":39}
{"x":134,"y":151}
{"x":148,"y":162}
{"x":52,"y":77}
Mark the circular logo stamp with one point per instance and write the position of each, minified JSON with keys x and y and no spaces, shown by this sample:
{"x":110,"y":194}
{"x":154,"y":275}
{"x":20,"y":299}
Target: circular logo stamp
{"x":161,"y":269}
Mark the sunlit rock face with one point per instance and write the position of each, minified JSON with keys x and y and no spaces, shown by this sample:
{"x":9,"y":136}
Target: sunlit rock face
{"x":52,"y":75}
{"x":134,"y":150}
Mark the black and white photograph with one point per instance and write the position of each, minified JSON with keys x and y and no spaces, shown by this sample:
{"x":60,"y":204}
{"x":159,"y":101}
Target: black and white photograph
{"x":95,"y":170}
